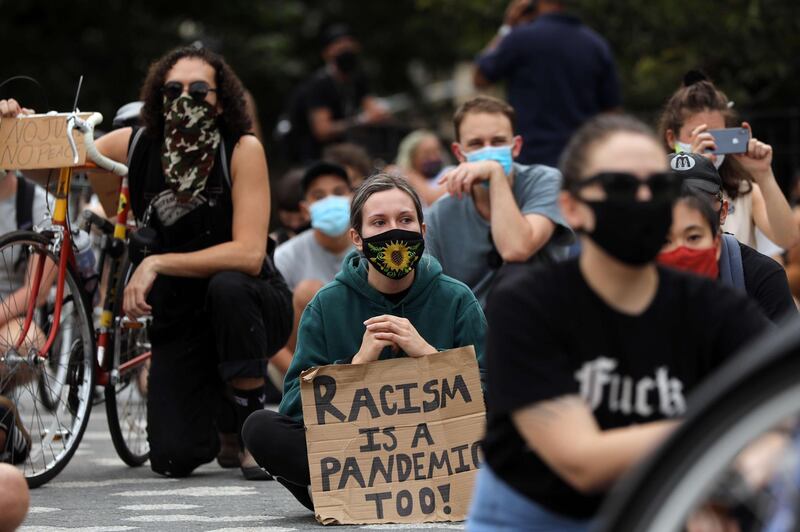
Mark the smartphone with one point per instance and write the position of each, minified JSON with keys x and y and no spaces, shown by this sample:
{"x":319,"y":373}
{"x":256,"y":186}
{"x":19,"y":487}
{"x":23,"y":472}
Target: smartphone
{"x":730,"y":140}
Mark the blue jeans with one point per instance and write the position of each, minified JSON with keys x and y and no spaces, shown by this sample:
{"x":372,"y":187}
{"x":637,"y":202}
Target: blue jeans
{"x":496,"y":506}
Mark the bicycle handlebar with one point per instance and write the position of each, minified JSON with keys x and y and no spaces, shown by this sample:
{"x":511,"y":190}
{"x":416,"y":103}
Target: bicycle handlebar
{"x":90,"y":218}
{"x":87,"y":128}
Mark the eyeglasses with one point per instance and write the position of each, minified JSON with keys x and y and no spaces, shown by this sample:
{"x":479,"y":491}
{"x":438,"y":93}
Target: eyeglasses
{"x":198,"y":90}
{"x":622,"y":186}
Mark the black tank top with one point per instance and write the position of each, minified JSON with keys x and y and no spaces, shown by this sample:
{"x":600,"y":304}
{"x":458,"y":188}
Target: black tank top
{"x":208,"y":221}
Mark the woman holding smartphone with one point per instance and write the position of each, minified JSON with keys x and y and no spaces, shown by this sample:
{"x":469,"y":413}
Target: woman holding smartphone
{"x":751,"y":192}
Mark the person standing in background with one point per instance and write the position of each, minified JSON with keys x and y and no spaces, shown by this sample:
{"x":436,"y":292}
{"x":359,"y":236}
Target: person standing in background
{"x":335,"y":98}
{"x":560,"y":73}
{"x":421,"y":160}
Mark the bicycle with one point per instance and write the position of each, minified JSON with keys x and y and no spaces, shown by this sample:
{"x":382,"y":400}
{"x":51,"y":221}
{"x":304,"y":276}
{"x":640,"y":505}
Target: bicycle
{"x":700,"y":468}
{"x":50,"y":373}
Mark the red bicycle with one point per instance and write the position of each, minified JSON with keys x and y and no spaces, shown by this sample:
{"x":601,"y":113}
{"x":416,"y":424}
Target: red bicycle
{"x":53,"y":357}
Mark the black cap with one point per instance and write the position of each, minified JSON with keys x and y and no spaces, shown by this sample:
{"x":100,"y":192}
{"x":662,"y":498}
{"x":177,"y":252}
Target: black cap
{"x":698,"y":172}
{"x":334,"y":33}
{"x":322,"y":168}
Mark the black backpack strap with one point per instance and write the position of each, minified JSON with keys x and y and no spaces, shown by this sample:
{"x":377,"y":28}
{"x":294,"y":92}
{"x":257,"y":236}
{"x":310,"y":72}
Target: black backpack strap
{"x":26,"y":192}
{"x":134,"y":141}
{"x":731,"y":269}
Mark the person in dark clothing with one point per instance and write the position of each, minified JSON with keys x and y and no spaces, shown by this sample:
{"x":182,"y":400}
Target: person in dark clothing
{"x":559,"y":72}
{"x":388,"y":301}
{"x":696,"y":243}
{"x":335,"y":99}
{"x":590,"y":361}
{"x":219,"y":307}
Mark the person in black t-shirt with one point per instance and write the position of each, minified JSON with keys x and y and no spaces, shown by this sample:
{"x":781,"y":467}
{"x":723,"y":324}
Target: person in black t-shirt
{"x":333,"y":100}
{"x":590,"y":361}
{"x":696,"y":243}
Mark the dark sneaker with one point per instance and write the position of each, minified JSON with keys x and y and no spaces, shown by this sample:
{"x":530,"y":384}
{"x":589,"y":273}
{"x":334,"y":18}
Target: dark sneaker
{"x":18,"y":441}
{"x":250,"y":468}
{"x":228,"y":455}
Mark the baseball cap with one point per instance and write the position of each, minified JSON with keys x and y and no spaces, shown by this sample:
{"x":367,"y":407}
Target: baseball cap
{"x":334,"y":33}
{"x":697,"y":171}
{"x":321,"y":168}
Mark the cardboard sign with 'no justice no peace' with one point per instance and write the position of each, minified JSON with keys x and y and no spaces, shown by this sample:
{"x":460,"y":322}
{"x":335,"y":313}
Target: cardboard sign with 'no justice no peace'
{"x":394,"y":441}
{"x":39,"y":142}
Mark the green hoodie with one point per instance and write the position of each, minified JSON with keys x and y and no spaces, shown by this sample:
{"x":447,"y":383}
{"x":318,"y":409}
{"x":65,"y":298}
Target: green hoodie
{"x":444,"y":312}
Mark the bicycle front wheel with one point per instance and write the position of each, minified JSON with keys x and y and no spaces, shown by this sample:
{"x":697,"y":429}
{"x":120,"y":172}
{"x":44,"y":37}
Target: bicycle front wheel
{"x":755,"y":397}
{"x":126,"y":395}
{"x":51,"y":393}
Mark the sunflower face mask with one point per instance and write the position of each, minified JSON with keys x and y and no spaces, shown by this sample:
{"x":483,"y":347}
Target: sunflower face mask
{"x":394,"y":253}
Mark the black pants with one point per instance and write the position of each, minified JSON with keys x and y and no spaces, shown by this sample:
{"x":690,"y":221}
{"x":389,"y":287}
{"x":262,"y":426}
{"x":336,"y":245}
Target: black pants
{"x":205,"y":333}
{"x":278,"y":443}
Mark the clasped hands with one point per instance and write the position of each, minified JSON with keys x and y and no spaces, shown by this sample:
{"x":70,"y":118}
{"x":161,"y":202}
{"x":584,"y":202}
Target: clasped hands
{"x":390,"y":331}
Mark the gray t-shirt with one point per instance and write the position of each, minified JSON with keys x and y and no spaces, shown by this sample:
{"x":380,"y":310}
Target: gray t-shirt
{"x":11,"y":280}
{"x":460,"y":237}
{"x":302,"y":258}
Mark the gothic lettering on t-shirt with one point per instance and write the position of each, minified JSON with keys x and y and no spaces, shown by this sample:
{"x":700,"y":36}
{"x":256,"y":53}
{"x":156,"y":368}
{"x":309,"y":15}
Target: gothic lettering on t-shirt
{"x":602,"y":387}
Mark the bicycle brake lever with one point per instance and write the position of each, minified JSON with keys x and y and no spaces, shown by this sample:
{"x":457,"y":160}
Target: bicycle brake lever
{"x":71,"y":126}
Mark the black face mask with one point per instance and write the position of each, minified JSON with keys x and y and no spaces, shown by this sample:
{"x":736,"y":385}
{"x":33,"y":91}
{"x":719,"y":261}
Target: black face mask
{"x":431,"y":169}
{"x":394,"y":253}
{"x":632,"y":232}
{"x":347,"y":62}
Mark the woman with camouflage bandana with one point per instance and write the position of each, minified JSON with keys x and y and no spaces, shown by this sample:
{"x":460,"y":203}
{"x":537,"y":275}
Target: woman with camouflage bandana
{"x":219,"y":308}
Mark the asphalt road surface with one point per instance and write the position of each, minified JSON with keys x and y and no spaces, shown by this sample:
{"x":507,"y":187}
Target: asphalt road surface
{"x":97,"y":492}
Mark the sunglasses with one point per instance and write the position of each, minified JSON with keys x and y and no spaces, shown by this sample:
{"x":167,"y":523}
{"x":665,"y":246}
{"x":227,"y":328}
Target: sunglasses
{"x":622,"y":186}
{"x":198,"y":90}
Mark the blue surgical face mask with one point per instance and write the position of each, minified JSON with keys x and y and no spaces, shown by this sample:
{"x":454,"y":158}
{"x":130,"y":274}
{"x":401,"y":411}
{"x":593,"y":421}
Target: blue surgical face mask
{"x":501,"y":154}
{"x":331,"y":215}
{"x":683,"y":147}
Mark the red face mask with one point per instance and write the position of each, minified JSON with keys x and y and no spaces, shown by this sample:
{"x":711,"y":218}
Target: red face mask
{"x":700,"y":261}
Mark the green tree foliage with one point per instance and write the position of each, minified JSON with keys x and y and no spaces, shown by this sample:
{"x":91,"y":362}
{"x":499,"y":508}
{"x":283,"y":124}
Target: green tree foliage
{"x":750,"y":47}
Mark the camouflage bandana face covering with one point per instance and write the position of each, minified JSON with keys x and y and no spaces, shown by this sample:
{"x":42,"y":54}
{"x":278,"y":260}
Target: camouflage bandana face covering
{"x":394,"y":253}
{"x":191,"y":138}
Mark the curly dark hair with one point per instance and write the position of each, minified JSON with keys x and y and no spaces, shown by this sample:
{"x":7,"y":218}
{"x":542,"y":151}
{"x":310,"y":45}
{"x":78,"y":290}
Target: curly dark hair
{"x":234,"y":118}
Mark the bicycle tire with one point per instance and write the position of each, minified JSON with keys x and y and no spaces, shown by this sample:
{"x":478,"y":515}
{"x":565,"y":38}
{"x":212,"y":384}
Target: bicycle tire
{"x":126,"y":401}
{"x":748,"y":396}
{"x":54,"y":433}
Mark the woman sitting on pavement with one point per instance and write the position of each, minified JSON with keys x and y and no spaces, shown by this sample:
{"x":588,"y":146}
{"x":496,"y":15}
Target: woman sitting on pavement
{"x":696,"y":243}
{"x":389,"y":301}
{"x":590,"y":361}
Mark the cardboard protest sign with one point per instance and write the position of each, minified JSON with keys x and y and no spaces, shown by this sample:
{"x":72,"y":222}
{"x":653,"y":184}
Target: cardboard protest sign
{"x":38,"y":141}
{"x":394,"y":441}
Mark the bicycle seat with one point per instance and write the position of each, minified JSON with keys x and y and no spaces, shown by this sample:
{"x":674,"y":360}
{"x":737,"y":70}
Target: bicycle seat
{"x":127,"y":115}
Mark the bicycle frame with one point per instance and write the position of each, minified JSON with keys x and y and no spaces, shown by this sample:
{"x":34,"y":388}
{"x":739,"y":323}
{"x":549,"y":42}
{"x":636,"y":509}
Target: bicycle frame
{"x":107,"y":317}
{"x":59,"y":219}
{"x":63,"y":243}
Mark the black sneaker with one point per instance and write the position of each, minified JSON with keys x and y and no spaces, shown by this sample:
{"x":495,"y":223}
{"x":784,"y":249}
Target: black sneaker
{"x":18,"y":441}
